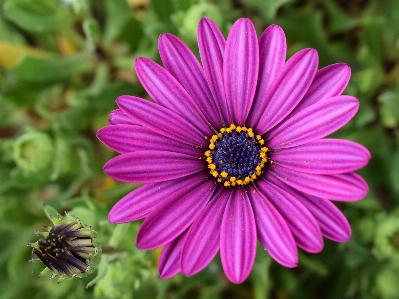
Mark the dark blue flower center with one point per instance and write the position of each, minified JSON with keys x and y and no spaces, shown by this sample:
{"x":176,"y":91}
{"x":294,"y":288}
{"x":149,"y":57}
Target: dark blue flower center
{"x":236,"y":156}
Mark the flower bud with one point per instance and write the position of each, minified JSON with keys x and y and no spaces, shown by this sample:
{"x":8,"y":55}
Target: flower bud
{"x":33,"y":151}
{"x":69,"y":249}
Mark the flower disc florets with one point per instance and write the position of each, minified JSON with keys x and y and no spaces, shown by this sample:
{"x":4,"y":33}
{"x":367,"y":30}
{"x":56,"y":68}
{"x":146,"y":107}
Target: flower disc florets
{"x":236,"y":156}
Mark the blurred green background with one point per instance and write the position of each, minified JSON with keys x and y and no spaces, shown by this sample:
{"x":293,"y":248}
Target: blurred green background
{"x":63,"y":63}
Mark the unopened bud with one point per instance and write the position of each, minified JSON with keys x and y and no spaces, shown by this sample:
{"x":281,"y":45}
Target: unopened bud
{"x":33,"y":151}
{"x":69,"y":249}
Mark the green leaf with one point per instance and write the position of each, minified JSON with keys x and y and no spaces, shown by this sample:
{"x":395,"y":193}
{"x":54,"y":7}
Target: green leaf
{"x":365,"y":115}
{"x":21,"y":93}
{"x":75,"y":118}
{"x":105,"y":101}
{"x":187,"y":21}
{"x":389,"y":108}
{"x":373,"y":41}
{"x":387,"y":281}
{"x":101,"y":272}
{"x":26,"y":180}
{"x":309,"y":31}
{"x":339,"y":21}
{"x":118,"y":15}
{"x":52,"y":69}
{"x":267,"y":8}
{"x":99,"y":84}
{"x":306,"y":28}
{"x":10,"y":34}
{"x":91,"y":28}
{"x":260,"y":274}
{"x":163,"y":9}
{"x":183,"y":4}
{"x":38,"y":15}
{"x":313,"y":264}
{"x":132,"y":33}
{"x":63,"y":157}
{"x":368,"y":80}
{"x":6,"y":111}
{"x":395,"y":169}
{"x":4,"y":177}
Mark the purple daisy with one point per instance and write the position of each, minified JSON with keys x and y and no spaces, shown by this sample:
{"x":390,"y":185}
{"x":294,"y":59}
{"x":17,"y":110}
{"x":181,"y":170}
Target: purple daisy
{"x":234,"y":151}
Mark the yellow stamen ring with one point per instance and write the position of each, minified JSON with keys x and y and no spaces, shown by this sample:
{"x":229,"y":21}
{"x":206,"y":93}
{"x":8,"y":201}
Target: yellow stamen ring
{"x":236,"y":156}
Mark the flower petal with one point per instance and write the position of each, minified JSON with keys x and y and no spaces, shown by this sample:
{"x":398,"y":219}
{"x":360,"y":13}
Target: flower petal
{"x":272,"y":230}
{"x":184,"y":66}
{"x":238,"y":237}
{"x":131,"y":138}
{"x":203,"y":238}
{"x":272,"y":53}
{"x":324,"y":156}
{"x":328,"y":82}
{"x":332,"y":222}
{"x":303,"y":225}
{"x":211,"y":45}
{"x":286,"y":91}
{"x":240,"y":69}
{"x":173,"y":216}
{"x":141,"y":201}
{"x":164,"y":89}
{"x":151,"y":166}
{"x":169,"y":261}
{"x":342,"y":187}
{"x":117,"y":117}
{"x":314,"y":122}
{"x":160,"y":120}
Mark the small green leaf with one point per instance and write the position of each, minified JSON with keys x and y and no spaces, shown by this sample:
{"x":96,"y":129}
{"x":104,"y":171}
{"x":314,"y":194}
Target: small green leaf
{"x":50,"y":212}
{"x":187,"y":21}
{"x":395,"y":169}
{"x":51,"y":69}
{"x":9,"y":33}
{"x":105,"y":101}
{"x":368,"y":80}
{"x":387,"y":281}
{"x":339,"y":21}
{"x":21,"y":93}
{"x":163,"y":9}
{"x":26,"y":180}
{"x":38,"y":15}
{"x":267,"y":8}
{"x":373,"y":42}
{"x":313,"y":264}
{"x":389,"y":108}
{"x":365,"y":115}
{"x":99,"y":84}
{"x":91,"y":28}
{"x":132,"y":33}
{"x":75,"y":118}
{"x":118,"y":15}
{"x":183,"y":4}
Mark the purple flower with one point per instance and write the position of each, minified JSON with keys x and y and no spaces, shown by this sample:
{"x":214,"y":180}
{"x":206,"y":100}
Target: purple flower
{"x":234,"y":151}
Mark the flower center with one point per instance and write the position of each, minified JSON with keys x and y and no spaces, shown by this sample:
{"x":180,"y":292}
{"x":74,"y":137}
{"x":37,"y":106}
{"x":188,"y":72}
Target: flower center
{"x":236,"y":156}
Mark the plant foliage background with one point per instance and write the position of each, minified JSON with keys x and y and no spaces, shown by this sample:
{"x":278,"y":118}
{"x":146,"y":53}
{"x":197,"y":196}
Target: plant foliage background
{"x":63,"y":63}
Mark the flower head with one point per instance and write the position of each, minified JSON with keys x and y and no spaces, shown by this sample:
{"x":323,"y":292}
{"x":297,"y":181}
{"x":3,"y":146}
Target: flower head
{"x":69,"y":249}
{"x":233,"y":151}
